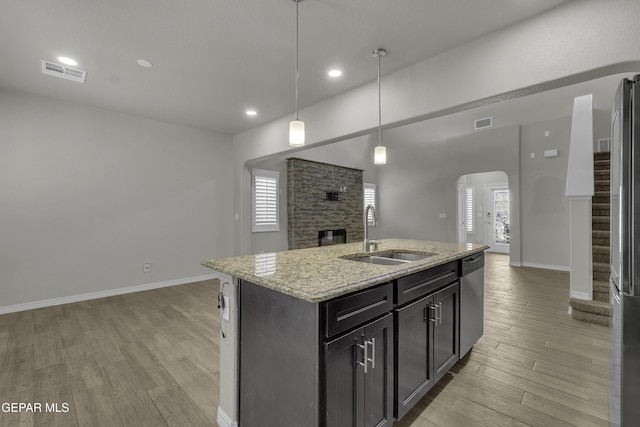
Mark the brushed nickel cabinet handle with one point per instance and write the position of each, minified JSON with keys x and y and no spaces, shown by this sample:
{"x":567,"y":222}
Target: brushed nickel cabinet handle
{"x":365,"y":359}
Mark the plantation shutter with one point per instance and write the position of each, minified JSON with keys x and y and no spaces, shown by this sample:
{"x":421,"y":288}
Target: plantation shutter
{"x":265,"y":200}
{"x":469,"y":203}
{"x":370,"y":199}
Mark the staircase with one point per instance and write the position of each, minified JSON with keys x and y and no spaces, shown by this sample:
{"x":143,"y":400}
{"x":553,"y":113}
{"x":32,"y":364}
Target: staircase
{"x":597,"y":310}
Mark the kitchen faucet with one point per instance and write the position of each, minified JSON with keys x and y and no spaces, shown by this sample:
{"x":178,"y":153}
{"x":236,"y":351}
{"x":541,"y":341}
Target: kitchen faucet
{"x":369,"y":245}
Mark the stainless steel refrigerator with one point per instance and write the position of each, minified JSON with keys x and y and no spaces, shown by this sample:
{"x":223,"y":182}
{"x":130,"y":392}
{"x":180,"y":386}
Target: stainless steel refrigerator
{"x":624,"y":363}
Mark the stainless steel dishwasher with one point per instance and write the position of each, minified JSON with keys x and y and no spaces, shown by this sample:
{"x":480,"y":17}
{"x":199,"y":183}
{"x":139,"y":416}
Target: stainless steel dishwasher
{"x":471,"y":301}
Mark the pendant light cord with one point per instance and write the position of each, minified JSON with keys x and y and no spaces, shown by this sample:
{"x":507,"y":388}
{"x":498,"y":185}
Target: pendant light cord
{"x":379,"y":103}
{"x":297,"y":73}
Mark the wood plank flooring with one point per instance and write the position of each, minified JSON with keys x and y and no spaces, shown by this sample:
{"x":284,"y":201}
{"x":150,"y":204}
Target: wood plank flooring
{"x":534,"y":366}
{"x":142,"y":359}
{"x":151,"y":359}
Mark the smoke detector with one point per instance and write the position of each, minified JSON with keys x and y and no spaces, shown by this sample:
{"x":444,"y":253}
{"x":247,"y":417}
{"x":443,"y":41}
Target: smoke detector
{"x":63,"y":71}
{"x":483,"y":123}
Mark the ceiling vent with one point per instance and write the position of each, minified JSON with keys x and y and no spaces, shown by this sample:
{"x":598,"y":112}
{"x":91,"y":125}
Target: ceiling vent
{"x":63,"y":71}
{"x":483,"y":123}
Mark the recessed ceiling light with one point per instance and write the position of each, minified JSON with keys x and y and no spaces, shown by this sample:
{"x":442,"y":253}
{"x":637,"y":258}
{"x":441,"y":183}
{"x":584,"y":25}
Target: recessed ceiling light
{"x":67,"y":61}
{"x":251,"y":113}
{"x":144,"y":63}
{"x":335,"y":73}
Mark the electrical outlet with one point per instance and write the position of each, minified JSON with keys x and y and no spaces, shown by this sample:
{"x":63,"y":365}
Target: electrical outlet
{"x":146,"y":267}
{"x":225,"y":308}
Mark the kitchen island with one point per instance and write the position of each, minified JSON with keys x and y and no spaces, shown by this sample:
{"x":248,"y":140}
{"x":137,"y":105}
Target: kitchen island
{"x":315,"y":337}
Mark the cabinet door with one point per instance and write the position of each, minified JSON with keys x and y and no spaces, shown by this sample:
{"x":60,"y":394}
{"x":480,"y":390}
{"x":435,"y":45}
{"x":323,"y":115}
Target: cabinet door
{"x":355,"y":396}
{"x":378,"y":381}
{"x":344,"y":382}
{"x":414,"y":358}
{"x":446,"y":329}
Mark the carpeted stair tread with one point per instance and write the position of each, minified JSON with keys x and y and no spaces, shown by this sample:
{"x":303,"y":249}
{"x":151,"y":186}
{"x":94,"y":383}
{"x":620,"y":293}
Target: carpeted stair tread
{"x":601,"y":266}
{"x":600,"y":254}
{"x":600,"y":237}
{"x":601,"y":271}
{"x":590,"y":306}
{"x":598,"y":249}
{"x":600,"y":275}
{"x":601,"y":291}
{"x":597,"y":310}
{"x":597,"y":319}
{"x":600,"y":197}
{"x":600,"y":209}
{"x":600,"y":223}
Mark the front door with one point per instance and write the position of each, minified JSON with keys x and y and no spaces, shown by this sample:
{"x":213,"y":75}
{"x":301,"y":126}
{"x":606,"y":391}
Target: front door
{"x":497,"y":218}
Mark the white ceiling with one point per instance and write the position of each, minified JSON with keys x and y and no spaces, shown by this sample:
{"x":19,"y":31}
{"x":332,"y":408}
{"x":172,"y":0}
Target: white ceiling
{"x":213,"y":59}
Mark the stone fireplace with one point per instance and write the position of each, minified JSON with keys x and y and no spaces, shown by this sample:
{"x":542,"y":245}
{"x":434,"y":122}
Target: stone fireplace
{"x":323,"y":197}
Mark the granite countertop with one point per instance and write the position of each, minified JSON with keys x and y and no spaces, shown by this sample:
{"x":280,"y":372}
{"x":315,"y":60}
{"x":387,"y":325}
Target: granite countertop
{"x":319,"y":274}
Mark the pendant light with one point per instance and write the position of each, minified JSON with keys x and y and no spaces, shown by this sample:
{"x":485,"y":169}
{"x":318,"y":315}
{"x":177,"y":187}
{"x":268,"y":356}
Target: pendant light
{"x":296,"y":127}
{"x":380,"y":153}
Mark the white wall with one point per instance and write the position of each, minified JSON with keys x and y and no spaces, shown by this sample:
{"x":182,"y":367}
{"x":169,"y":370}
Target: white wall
{"x":89,"y":195}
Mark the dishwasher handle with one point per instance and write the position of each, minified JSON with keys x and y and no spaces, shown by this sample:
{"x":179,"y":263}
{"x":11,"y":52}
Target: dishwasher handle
{"x":471,"y":263}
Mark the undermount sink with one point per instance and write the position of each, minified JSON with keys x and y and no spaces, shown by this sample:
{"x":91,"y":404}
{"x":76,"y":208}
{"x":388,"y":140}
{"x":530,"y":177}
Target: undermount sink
{"x":388,"y":258}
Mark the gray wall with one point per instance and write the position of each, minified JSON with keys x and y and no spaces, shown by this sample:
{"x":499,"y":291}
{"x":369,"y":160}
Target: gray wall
{"x":545,"y":208}
{"x":89,"y":195}
{"x":420,"y":182}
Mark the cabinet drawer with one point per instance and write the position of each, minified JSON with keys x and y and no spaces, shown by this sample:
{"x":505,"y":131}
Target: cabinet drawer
{"x":412,"y":287}
{"x":349,"y":311}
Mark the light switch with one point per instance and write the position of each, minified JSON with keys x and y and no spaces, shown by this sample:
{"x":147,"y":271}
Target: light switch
{"x":533,"y":155}
{"x":442,"y":215}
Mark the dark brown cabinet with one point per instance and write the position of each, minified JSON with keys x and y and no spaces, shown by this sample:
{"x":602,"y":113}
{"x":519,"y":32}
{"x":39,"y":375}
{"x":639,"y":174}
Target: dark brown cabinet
{"x":426,"y":343}
{"x":358,"y":360}
{"x":414,"y":358}
{"x":445,"y":330}
{"x":359,"y":376}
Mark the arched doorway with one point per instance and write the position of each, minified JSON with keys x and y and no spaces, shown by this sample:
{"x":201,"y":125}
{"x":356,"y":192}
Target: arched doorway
{"x":483,"y":210}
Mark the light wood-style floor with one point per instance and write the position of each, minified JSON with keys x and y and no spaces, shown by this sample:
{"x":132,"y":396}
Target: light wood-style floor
{"x":534,"y":366}
{"x":151,"y":359}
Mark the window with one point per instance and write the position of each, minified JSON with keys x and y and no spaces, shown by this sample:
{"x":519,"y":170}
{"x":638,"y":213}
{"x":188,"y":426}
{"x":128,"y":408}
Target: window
{"x":265,"y":200}
{"x":370,"y":199}
{"x":469,"y":208}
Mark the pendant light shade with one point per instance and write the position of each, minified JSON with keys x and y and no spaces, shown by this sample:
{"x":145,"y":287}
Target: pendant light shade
{"x":296,"y":133}
{"x":296,"y":127}
{"x":380,"y":153}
